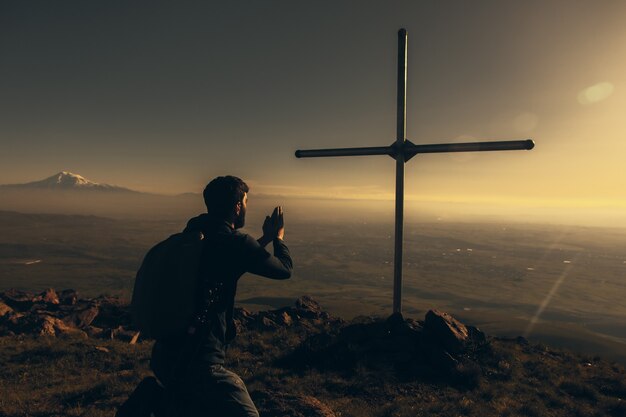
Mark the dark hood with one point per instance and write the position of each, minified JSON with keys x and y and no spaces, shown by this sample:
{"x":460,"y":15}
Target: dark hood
{"x":205,"y":223}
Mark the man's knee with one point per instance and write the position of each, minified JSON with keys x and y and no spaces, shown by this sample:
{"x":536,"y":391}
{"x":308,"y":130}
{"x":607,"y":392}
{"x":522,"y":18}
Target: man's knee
{"x":233,"y":392}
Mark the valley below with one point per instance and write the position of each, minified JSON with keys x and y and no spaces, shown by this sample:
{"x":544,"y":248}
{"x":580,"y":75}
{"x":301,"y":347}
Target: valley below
{"x":559,"y":285}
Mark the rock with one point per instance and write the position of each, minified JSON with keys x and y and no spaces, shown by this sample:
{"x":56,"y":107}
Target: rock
{"x":61,"y":327}
{"x":267,"y":323}
{"x":93,"y":331}
{"x":287,"y":405}
{"x":242,"y":313}
{"x":308,"y":307}
{"x":120,"y":333}
{"x":520,"y":340}
{"x":242,"y":319}
{"x":49,"y":296}
{"x":126,"y":335}
{"x":68,"y":297}
{"x":52,"y":326}
{"x":285,"y":319}
{"x":18,"y":300}
{"x":39,"y":308}
{"x":47,"y":327}
{"x":4,"y":309}
{"x":15,"y":318}
{"x":112,"y":313}
{"x":476,"y":335}
{"x":82,"y":317}
{"x":134,"y":339}
{"x":111,"y":333}
{"x":448,"y":331}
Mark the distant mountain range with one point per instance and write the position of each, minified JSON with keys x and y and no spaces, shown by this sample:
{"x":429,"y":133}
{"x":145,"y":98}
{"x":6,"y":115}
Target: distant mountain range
{"x":65,"y":180}
{"x":69,"y":193}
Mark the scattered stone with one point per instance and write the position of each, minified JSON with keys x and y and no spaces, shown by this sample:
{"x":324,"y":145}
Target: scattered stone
{"x":110,"y":333}
{"x":242,"y":313}
{"x":83,"y":317}
{"x":61,"y":327}
{"x":451,"y":333}
{"x":308,"y":307}
{"x":47,"y":327}
{"x":49,"y":296}
{"x":52,"y":326}
{"x":15,"y":318}
{"x":134,"y":339}
{"x":68,"y":297}
{"x":40,"y":308}
{"x":4,"y":309}
{"x":108,"y":317}
{"x":93,"y":331}
{"x":267,"y":323}
{"x":285,"y":319}
{"x":18,"y":300}
{"x":112,"y":313}
{"x":476,"y":335}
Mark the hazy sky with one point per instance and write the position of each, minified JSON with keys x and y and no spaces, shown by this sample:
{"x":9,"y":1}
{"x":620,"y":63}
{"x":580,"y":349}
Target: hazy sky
{"x":163,"y":96}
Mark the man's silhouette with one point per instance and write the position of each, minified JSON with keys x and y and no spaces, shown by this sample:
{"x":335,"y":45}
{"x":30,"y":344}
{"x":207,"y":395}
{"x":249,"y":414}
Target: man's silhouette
{"x":198,"y":375}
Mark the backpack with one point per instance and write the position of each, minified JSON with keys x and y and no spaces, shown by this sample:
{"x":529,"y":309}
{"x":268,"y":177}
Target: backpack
{"x":165,"y":295}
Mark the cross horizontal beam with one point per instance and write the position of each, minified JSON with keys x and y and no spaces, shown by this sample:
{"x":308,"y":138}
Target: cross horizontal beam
{"x":374,"y":150}
{"x":409,"y":149}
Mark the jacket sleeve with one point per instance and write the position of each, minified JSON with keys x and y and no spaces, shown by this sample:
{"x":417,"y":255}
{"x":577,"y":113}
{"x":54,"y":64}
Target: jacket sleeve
{"x":261,"y":262}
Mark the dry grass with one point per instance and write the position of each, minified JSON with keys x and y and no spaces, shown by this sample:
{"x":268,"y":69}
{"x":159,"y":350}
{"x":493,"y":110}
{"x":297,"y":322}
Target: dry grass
{"x":80,"y":377}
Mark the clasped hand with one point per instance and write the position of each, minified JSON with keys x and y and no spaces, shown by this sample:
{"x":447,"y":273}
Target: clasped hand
{"x":274,"y":226}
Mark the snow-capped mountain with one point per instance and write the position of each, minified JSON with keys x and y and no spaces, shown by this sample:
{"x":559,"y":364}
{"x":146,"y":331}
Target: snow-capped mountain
{"x":68,"y":181}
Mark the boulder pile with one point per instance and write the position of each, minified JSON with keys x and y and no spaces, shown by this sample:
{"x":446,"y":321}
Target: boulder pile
{"x":52,"y":313}
{"x":438,"y":347}
{"x":306,"y":314}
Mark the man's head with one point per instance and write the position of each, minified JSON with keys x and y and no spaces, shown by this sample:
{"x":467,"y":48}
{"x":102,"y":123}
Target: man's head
{"x":226,"y":198}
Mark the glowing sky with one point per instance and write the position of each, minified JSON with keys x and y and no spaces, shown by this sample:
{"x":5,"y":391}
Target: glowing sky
{"x":162,"y":97}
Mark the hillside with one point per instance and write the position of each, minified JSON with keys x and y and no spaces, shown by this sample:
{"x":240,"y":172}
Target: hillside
{"x":63,"y":355}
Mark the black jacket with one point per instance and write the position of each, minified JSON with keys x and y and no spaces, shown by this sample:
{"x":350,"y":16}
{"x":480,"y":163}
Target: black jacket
{"x":227,"y":255}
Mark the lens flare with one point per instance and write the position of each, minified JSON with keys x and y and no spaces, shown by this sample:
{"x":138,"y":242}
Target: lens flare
{"x":546,"y":301}
{"x":595,"y":93}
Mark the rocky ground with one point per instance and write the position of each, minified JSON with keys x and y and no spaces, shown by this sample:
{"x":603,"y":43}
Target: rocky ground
{"x":65,"y":355}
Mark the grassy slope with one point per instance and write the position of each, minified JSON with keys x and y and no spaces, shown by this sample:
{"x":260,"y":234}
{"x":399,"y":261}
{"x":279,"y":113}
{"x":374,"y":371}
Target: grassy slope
{"x":78,"y":377}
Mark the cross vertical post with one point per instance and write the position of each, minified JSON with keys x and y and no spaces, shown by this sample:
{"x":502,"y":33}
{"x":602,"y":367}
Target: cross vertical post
{"x":400,"y":139}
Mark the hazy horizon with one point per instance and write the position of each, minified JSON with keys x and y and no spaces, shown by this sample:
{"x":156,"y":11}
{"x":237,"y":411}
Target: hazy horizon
{"x":331,"y":207}
{"x":302,"y":209}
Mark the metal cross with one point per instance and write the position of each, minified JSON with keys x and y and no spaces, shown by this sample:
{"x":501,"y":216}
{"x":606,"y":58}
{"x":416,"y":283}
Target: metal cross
{"x":402,"y":150}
